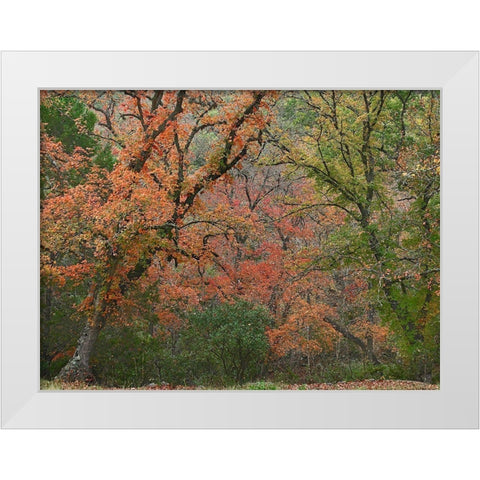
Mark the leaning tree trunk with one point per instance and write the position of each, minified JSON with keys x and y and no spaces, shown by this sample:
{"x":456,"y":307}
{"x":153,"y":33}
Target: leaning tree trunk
{"x":78,"y":367}
{"x":366,"y":349}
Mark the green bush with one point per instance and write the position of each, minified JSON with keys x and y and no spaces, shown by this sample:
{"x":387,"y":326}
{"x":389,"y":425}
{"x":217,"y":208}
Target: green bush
{"x":125,"y":357}
{"x":228,"y":342}
{"x":221,"y":346}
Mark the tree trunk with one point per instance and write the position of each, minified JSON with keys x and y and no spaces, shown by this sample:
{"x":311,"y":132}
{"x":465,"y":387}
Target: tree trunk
{"x":78,"y":367}
{"x":368,"y":352}
{"x":370,"y":355}
{"x":369,"y":337}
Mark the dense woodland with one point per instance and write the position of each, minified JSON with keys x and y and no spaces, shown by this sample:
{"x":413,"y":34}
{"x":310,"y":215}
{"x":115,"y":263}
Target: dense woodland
{"x":213,"y":239}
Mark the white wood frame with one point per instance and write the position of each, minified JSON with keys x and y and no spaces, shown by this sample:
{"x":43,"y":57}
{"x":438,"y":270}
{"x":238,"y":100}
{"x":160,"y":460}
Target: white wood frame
{"x":455,"y":405}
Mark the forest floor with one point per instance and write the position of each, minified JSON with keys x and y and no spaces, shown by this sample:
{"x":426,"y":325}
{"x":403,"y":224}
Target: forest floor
{"x":261,"y":385}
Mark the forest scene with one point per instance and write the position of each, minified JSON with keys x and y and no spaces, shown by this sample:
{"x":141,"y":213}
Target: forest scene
{"x":263,"y":240}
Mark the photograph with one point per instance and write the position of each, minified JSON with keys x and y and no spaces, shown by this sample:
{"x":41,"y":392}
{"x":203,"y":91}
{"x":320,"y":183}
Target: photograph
{"x":239,"y":239}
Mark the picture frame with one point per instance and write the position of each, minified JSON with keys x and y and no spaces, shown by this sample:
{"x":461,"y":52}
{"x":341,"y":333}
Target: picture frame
{"x":454,"y":405}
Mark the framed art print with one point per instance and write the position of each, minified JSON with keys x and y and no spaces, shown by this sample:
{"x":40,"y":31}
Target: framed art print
{"x":240,"y":239}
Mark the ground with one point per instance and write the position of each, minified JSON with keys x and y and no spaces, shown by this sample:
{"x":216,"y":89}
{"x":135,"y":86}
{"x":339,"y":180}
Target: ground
{"x":359,"y":385}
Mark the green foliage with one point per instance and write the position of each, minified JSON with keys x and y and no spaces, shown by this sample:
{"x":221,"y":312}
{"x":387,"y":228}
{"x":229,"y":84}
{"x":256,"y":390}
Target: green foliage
{"x":230,"y":338}
{"x":58,"y":327}
{"x":261,"y":385}
{"x":49,"y":368}
{"x":68,"y":120}
{"x":222,"y":345}
{"x":104,"y":157}
{"x":125,"y":357}
{"x":295,"y":116}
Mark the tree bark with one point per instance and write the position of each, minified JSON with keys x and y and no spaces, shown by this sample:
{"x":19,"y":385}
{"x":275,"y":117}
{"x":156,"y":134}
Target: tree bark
{"x":78,"y":367}
{"x":368,"y":352}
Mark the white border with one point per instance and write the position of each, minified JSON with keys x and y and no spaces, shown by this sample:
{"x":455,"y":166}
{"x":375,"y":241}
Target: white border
{"x":455,"y":405}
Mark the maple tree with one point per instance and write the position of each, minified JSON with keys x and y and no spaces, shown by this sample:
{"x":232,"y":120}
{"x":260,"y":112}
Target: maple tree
{"x":132,"y":216}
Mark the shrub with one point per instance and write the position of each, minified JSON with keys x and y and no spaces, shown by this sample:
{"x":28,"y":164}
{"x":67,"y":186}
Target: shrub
{"x":228,"y":341}
{"x":125,"y":357}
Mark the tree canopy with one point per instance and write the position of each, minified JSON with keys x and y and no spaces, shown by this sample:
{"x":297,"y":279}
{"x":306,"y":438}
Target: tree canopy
{"x":220,"y":237}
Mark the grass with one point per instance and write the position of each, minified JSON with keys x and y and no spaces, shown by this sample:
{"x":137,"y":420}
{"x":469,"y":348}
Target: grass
{"x":261,"y":385}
